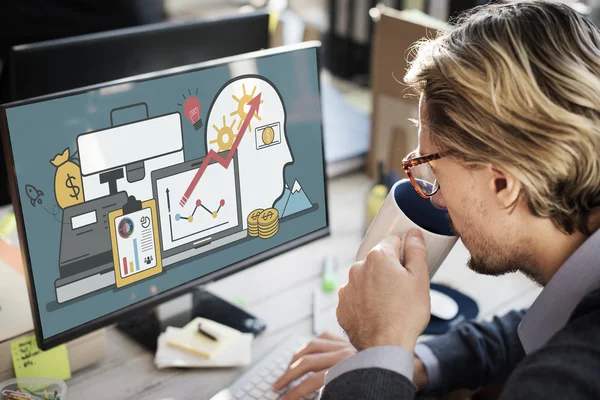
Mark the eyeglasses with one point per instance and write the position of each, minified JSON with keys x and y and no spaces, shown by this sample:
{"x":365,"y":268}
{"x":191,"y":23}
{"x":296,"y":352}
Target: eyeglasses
{"x":421,"y":174}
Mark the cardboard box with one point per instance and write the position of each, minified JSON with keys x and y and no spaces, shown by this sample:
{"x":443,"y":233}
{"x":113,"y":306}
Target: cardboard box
{"x":395,"y":32}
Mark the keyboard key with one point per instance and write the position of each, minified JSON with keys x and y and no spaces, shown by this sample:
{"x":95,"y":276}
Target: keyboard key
{"x":272,"y":395}
{"x":271,"y":379}
{"x":257,"y":384}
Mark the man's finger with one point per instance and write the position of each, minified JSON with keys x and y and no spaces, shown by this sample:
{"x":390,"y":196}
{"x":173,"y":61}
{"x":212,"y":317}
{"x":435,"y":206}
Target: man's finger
{"x":319,"y":346}
{"x":391,"y":244}
{"x":306,"y":387}
{"x":306,"y":364}
{"x":415,"y":253}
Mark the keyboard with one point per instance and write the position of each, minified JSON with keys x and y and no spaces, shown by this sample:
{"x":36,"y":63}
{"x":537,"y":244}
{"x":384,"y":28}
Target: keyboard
{"x":257,"y":382}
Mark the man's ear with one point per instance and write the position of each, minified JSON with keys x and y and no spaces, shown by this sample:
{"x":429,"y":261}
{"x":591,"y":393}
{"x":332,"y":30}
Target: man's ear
{"x":505,"y":187}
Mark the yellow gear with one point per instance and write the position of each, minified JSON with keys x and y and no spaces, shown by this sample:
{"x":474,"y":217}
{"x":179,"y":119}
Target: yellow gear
{"x":225,"y":136}
{"x":242,"y":102}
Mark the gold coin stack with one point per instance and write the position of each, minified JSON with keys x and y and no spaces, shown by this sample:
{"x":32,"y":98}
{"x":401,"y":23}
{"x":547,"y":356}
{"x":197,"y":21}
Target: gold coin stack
{"x":268,"y":223}
{"x":253,"y":222}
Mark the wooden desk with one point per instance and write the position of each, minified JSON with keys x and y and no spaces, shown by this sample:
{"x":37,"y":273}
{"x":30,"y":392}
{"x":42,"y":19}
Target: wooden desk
{"x":279,"y":290}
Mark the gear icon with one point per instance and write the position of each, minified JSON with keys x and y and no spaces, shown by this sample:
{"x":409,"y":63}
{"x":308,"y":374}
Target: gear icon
{"x":225,"y":136}
{"x":242,"y":103}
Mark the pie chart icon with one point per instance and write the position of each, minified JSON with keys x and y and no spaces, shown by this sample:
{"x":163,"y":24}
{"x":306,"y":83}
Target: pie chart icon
{"x":126,"y":228}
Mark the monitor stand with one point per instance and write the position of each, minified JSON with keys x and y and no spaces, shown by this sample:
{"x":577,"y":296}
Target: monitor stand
{"x":146,"y":326}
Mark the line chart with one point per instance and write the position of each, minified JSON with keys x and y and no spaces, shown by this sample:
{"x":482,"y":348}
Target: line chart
{"x":214,"y":156}
{"x":190,"y":218}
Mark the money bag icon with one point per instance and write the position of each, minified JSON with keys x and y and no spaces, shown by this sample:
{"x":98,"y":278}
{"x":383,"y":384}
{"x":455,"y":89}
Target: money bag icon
{"x":67,"y":180}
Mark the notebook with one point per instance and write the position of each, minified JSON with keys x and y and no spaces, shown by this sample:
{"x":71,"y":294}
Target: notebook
{"x":238,"y":354}
{"x":188,"y":338}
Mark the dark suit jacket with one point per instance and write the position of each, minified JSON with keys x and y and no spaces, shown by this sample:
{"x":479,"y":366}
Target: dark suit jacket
{"x":567,"y":367}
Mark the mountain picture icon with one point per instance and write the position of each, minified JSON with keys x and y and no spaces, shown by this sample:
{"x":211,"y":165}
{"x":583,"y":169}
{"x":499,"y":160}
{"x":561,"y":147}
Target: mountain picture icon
{"x":293,"y":200}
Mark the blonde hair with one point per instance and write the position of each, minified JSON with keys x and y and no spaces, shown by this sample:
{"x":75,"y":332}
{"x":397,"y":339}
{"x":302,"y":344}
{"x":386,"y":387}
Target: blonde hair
{"x":517,"y":86}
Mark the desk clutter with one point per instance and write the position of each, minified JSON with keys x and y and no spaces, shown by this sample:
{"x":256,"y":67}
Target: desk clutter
{"x":33,"y":389}
{"x":203,"y":343}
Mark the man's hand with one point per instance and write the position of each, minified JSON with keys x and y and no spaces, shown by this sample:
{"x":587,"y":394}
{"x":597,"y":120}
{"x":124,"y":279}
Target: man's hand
{"x":322,"y":353}
{"x":385,"y":303}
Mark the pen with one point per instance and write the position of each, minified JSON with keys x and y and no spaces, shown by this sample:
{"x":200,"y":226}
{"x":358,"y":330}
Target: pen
{"x":316,"y":307}
{"x":204,"y":332}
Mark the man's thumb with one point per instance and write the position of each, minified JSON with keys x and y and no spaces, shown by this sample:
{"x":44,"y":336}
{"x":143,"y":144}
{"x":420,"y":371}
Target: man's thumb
{"x":415,"y":253}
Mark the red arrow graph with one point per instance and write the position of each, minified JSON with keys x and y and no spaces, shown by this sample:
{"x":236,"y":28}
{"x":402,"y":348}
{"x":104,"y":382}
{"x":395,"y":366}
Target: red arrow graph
{"x":214,"y":156}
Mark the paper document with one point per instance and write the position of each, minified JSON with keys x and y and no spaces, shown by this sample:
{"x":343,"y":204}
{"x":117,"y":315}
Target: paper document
{"x":135,"y":242}
{"x":135,"y":246}
{"x":238,"y":354}
{"x":188,"y":339}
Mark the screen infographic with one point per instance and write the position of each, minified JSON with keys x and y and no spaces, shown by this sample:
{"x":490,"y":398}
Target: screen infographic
{"x":133,"y":189}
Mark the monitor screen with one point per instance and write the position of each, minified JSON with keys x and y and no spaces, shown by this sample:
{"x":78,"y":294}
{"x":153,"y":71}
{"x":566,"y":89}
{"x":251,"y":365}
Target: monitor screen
{"x":132,"y":192}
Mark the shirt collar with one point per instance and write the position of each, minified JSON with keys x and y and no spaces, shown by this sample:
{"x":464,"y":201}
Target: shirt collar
{"x":550,"y":312}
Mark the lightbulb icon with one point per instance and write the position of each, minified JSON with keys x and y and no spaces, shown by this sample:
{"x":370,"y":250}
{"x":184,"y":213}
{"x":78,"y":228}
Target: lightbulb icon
{"x":191,"y":110}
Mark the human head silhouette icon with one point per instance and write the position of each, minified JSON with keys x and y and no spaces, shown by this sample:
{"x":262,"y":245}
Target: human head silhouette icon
{"x":263,"y":151}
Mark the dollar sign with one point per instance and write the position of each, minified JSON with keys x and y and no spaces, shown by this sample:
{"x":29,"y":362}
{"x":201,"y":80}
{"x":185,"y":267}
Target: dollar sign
{"x":265,"y":217}
{"x":70,"y":185}
{"x":254,"y":217}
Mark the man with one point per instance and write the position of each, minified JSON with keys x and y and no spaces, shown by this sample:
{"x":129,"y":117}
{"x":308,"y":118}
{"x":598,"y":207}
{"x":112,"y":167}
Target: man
{"x":510,"y":109}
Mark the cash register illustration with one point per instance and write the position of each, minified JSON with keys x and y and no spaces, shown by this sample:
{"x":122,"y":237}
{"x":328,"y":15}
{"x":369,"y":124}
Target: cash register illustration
{"x":116,"y":163}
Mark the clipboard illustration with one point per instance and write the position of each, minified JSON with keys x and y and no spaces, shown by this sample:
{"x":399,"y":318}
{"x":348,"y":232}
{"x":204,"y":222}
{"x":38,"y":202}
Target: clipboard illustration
{"x":135,"y":241}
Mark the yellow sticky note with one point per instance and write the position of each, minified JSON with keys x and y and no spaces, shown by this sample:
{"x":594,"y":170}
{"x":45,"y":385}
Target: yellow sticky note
{"x":31,"y":362}
{"x":188,"y":339}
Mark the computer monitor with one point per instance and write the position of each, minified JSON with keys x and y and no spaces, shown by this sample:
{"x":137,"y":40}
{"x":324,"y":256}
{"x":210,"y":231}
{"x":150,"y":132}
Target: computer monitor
{"x":117,"y":215}
{"x":63,"y":64}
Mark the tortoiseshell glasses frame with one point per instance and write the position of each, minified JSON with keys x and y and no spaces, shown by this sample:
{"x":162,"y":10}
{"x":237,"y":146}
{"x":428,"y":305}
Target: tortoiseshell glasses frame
{"x":410,"y":161}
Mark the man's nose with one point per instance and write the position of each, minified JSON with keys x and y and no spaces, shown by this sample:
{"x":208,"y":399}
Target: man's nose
{"x":438,"y":200}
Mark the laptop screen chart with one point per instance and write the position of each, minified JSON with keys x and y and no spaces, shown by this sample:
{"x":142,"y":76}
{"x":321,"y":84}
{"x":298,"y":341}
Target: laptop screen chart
{"x":212,"y":208}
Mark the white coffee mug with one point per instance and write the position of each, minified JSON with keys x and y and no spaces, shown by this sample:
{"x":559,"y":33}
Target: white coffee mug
{"x":403,"y":210}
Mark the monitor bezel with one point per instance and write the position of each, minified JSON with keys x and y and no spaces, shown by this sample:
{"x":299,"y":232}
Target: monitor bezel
{"x":113,"y":317}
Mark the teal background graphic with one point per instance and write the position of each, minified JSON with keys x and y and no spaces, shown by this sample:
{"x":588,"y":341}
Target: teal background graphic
{"x":41,"y":130}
